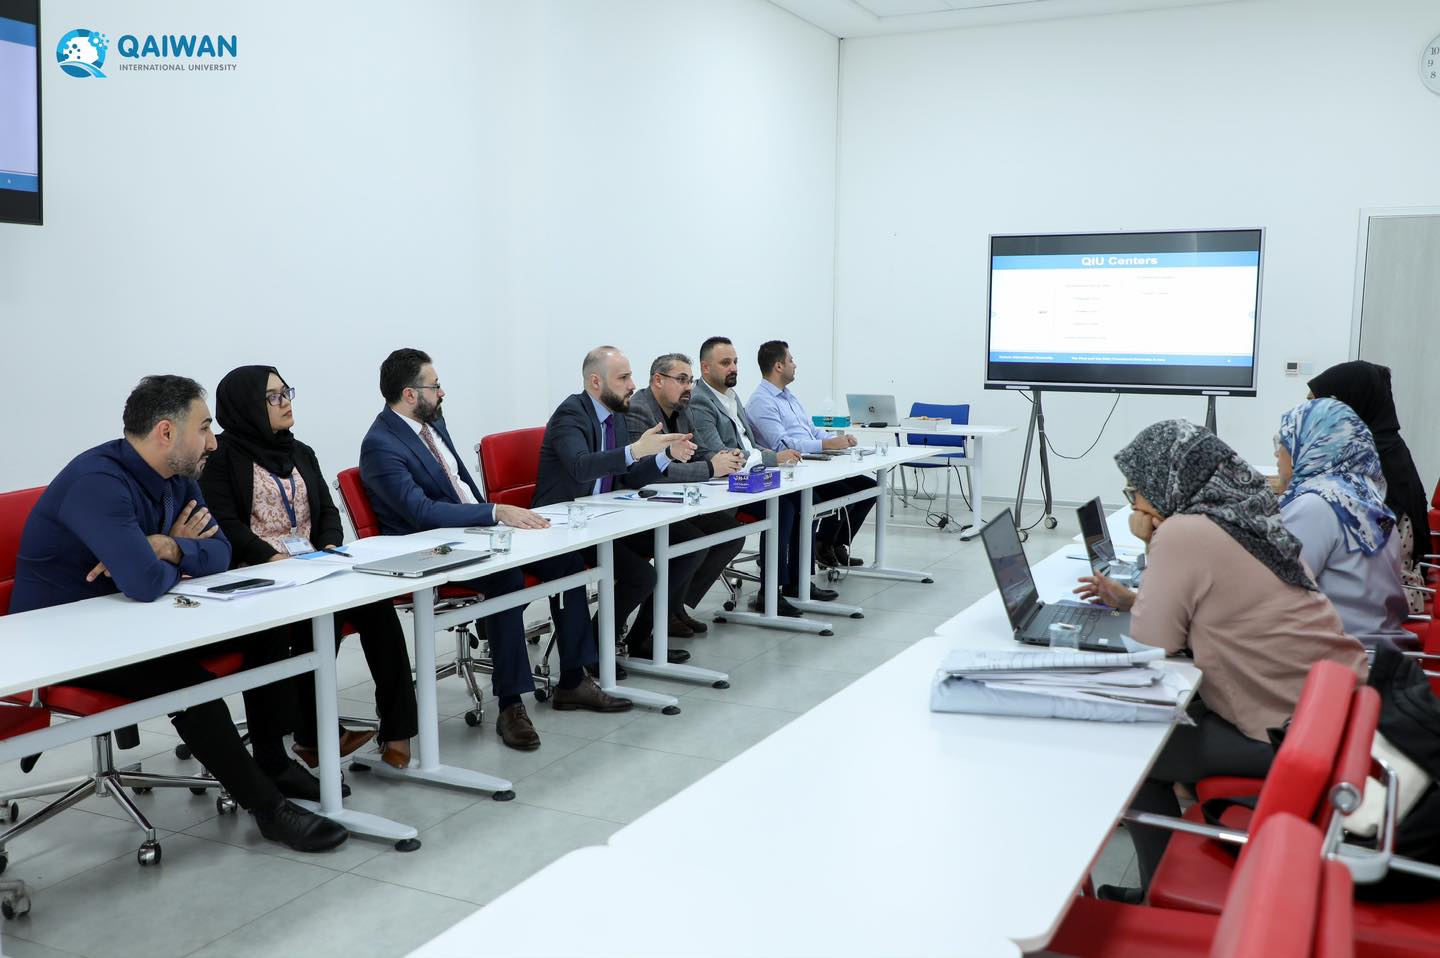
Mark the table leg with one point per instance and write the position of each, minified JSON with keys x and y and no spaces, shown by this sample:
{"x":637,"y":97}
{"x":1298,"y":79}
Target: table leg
{"x":771,"y":619}
{"x":977,"y":495}
{"x":605,"y":625}
{"x":880,"y":570}
{"x":425,"y":765}
{"x":660,"y":628}
{"x":327,"y":719}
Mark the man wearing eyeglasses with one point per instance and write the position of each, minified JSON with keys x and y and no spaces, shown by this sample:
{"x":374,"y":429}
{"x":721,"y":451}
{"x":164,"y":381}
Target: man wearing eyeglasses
{"x":416,"y":482}
{"x":667,"y":404}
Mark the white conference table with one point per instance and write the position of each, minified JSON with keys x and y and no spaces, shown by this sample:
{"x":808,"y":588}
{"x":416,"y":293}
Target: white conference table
{"x":975,"y":436}
{"x":868,"y":826}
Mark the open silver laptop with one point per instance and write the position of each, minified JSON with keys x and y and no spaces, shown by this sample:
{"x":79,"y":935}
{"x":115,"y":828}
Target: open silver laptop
{"x":1099,"y":548}
{"x":871,"y":409}
{"x":414,"y":565}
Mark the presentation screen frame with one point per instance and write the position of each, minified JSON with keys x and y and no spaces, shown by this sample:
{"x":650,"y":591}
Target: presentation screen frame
{"x":24,"y":206}
{"x":1100,"y":377}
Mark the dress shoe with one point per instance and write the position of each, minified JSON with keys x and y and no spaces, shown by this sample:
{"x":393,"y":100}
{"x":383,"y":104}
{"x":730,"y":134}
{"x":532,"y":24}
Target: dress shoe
{"x":350,"y":740}
{"x":782,"y":606}
{"x":289,"y":824}
{"x":696,"y":626}
{"x":295,"y":782}
{"x":836,"y":557}
{"x":515,"y":729}
{"x":645,"y":649}
{"x":594,"y":672}
{"x":679,"y":628}
{"x":394,"y":757}
{"x":817,"y":593}
{"x":589,"y":696}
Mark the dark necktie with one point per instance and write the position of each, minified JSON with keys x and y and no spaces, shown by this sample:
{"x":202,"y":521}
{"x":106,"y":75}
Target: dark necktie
{"x":429,"y":438}
{"x":167,"y":505}
{"x":607,"y":482}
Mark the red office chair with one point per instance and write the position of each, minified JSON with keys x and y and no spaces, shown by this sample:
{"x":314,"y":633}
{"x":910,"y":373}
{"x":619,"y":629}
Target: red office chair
{"x":73,"y":701}
{"x":1286,"y":901}
{"x":355,"y":502}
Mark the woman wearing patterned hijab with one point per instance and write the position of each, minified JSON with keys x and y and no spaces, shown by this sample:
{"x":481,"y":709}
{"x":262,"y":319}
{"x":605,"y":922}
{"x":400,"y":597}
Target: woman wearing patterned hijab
{"x":1333,"y":501}
{"x":1223,"y":581}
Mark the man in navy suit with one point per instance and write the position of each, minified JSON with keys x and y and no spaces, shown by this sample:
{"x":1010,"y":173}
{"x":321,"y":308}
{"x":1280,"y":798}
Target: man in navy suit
{"x":416,"y":481}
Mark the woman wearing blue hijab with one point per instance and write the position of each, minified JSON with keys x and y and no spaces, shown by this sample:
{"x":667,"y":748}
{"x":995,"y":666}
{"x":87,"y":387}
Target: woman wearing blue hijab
{"x":1333,"y":501}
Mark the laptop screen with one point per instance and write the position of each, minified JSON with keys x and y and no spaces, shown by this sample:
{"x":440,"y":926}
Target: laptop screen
{"x":1011,"y":568}
{"x":1096,"y":533}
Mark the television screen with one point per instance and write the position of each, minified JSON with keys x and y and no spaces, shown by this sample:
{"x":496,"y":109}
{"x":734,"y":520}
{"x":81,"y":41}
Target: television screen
{"x":20,"y":195}
{"x":1164,"y":312}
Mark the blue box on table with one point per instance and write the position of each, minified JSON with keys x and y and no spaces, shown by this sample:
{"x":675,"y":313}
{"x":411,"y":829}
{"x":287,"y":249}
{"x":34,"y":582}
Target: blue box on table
{"x":755,"y":481}
{"x":831,"y":422}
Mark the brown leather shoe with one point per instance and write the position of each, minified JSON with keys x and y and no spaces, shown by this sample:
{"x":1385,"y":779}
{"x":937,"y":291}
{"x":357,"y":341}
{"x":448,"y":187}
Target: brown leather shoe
{"x":350,"y":740}
{"x":515,"y":729}
{"x":394,"y":757}
{"x":590,"y":696}
{"x":696,"y":626}
{"x":679,"y":628}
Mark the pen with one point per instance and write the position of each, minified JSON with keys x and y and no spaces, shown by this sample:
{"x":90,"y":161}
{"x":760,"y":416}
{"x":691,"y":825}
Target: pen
{"x":336,"y":550}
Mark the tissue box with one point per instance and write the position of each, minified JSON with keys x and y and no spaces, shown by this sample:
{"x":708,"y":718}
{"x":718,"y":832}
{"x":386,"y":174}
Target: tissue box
{"x":831,"y":422}
{"x":754,"y":481}
{"x":924,"y":423}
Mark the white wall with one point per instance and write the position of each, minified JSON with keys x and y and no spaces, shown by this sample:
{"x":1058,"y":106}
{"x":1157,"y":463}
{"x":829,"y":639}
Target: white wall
{"x":503,"y":184}
{"x":1286,"y":114}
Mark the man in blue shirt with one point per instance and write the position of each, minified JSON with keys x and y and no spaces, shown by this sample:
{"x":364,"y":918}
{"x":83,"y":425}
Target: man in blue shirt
{"x":127,"y":516}
{"x":782,"y":423}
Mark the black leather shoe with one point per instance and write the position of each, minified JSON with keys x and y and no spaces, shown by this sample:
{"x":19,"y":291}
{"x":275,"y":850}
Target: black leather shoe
{"x":290,"y":825}
{"x":817,"y":594}
{"x":837,"y":557}
{"x":782,"y":607}
{"x":295,"y":782}
{"x":645,"y":649}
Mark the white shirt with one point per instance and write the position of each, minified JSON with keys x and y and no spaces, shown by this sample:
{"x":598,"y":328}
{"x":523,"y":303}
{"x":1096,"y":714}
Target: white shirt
{"x":731,"y":405}
{"x":461,"y":486}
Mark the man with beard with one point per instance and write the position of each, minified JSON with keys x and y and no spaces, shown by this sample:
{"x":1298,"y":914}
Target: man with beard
{"x":720,"y":420}
{"x":589,"y":450}
{"x":127,"y":516}
{"x":666,"y":404}
{"x":416,"y":481}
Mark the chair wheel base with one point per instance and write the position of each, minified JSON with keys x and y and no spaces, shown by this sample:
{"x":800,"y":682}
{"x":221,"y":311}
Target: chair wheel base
{"x":13,"y":906}
{"x":149,"y":854}
{"x":472,"y":718}
{"x":728,"y":607}
{"x":407,"y":845}
{"x":542,"y":694}
{"x":670,"y":710}
{"x":182,"y":751}
{"x":505,"y":795}
{"x":225,"y":805}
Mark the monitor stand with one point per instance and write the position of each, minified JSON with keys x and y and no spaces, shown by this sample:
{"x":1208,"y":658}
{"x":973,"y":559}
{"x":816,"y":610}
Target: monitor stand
{"x":1210,"y":415}
{"x":1037,"y":424}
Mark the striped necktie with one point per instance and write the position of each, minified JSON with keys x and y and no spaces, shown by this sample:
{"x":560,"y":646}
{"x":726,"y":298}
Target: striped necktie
{"x":429,"y":438}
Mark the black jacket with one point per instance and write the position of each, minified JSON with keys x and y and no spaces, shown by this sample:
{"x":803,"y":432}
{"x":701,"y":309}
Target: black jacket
{"x":228,"y":483}
{"x":570,"y":460}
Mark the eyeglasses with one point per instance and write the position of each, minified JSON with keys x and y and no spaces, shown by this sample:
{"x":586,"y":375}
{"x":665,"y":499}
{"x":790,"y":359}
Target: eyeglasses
{"x":284,"y":395}
{"x":682,"y":379}
{"x":1130,"y":492}
{"x":419,"y":386}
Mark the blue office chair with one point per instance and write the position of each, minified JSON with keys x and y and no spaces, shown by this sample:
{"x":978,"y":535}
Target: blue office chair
{"x":959,"y":414}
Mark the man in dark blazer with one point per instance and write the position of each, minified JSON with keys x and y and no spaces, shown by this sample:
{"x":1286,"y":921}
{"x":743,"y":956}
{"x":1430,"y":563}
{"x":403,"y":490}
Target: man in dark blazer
{"x":416,"y":481}
{"x":719,"y":418}
{"x":588,"y":450}
{"x":666,"y":403}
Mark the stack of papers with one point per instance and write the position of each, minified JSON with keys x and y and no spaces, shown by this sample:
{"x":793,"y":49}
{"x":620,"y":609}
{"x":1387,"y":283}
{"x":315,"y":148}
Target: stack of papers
{"x":279,"y":575}
{"x":1097,"y":686}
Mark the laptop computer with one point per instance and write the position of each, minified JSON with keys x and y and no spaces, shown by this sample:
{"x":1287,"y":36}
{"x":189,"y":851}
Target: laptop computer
{"x":867,"y":409}
{"x":1100,"y":549}
{"x":1100,"y":628}
{"x":414,"y":565}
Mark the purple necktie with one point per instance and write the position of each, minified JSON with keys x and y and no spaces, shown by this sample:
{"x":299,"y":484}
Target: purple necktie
{"x":607,"y":482}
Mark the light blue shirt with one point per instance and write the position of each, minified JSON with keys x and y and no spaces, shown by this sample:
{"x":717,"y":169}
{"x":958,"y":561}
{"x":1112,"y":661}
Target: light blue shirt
{"x":781,"y":422}
{"x":602,"y":413}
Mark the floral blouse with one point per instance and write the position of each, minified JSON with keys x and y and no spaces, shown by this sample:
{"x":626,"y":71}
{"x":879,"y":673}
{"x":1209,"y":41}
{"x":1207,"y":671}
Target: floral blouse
{"x":268,"y":518}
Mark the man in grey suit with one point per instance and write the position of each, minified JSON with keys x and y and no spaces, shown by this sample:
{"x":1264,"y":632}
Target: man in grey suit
{"x":719,"y":419}
{"x":666,"y":404}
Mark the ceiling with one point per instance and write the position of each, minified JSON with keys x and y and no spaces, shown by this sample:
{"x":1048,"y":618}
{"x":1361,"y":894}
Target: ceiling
{"x":870,"y":18}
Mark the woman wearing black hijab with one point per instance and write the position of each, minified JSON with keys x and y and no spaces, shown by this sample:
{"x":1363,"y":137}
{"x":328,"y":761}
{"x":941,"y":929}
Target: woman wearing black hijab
{"x":1365,"y":388}
{"x":266,"y":490}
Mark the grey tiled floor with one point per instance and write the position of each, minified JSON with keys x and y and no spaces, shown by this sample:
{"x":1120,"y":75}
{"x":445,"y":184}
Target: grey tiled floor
{"x":223,"y":891}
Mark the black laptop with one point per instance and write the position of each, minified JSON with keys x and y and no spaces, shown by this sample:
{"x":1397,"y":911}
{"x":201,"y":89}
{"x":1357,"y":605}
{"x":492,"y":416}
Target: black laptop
{"x":1100,"y":627}
{"x":1101,"y":550}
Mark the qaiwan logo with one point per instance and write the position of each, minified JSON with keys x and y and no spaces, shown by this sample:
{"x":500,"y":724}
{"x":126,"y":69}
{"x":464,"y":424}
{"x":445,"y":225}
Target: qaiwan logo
{"x":81,"y":53}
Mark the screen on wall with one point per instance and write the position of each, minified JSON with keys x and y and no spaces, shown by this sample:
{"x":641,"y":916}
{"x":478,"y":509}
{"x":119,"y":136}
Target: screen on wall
{"x":1174,"y":312}
{"x":20,"y":196}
